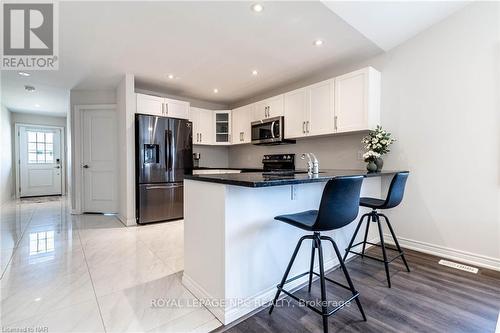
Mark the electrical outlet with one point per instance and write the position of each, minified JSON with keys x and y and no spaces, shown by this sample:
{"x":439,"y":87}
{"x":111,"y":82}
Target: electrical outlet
{"x":293,"y":192}
{"x":360,"y":155}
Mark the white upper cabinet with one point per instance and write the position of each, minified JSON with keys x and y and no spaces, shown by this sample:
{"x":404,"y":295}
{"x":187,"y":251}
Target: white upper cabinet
{"x":222,"y":127}
{"x":203,"y":126}
{"x":357,"y":100}
{"x":309,"y":111}
{"x":269,"y":108}
{"x":241,"y":119}
{"x":296,"y":113}
{"x":147,"y":104}
{"x":321,"y":108}
{"x":160,"y":106}
{"x":176,"y":109}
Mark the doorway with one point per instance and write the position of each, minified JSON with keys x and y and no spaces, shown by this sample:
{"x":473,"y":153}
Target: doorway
{"x":39,"y":156}
{"x":96,"y":141}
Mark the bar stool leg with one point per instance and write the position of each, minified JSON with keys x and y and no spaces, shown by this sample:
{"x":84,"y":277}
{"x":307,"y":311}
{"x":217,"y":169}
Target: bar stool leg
{"x":283,"y":280}
{"x":366,"y":236}
{"x":354,"y":236}
{"x":312,"y":265}
{"x":384,"y":253}
{"x":324,"y":308}
{"x":396,"y":241}
{"x":347,"y":276}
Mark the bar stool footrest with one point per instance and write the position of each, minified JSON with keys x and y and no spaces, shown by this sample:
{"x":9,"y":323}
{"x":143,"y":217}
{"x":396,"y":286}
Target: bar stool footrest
{"x":377,"y":259}
{"x":318,"y":311}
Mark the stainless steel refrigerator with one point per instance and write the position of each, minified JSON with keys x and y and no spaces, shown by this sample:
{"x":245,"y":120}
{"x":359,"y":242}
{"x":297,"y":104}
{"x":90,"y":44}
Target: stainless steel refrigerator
{"x":164,"y":154}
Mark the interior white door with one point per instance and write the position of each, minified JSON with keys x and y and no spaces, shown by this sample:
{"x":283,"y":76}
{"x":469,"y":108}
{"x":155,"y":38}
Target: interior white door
{"x":40,"y":165}
{"x":99,"y":161}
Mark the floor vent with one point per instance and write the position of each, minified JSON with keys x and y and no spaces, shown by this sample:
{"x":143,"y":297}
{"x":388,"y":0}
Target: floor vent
{"x":456,"y":265}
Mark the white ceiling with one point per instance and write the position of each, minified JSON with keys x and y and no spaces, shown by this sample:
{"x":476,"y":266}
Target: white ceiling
{"x":390,"y":23}
{"x":205,"y":45}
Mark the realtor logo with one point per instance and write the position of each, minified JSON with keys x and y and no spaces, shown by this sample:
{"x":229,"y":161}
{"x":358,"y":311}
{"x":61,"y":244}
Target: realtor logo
{"x":29,"y":37}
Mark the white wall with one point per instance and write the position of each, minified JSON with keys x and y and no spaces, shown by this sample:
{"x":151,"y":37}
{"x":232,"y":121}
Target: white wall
{"x":82,"y":97}
{"x":6,"y":166}
{"x":213,"y":156}
{"x":440,"y":99}
{"x":126,"y":107}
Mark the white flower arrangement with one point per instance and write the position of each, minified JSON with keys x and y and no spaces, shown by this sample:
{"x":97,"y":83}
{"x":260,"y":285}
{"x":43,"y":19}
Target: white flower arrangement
{"x":378,"y":141}
{"x":370,"y":156}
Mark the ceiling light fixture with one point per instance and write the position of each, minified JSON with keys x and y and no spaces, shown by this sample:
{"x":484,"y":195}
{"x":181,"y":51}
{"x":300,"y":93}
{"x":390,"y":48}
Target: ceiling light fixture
{"x":24,"y":74}
{"x":216,"y":90}
{"x":318,"y":42}
{"x":254,"y":72}
{"x":29,"y":88}
{"x":37,"y":105}
{"x":171,"y":76}
{"x":257,"y":7}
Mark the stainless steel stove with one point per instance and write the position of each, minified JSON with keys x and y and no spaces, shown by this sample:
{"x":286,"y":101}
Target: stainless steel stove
{"x":279,"y":164}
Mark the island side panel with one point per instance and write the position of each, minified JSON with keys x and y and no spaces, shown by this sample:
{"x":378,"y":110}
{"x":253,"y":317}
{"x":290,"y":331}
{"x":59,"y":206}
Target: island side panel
{"x":204,"y":217}
{"x":258,"y":247}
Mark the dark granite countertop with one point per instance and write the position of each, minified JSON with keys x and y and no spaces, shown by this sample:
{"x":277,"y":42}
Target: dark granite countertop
{"x":258,"y":179}
{"x":242,"y":169}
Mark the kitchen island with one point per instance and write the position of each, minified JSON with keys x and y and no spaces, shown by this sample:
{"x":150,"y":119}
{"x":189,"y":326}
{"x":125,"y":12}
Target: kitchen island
{"x":235,"y":252}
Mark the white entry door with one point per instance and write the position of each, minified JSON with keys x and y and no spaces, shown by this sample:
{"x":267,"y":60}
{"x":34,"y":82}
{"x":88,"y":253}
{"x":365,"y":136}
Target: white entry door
{"x":40,"y":165}
{"x":99,"y":161}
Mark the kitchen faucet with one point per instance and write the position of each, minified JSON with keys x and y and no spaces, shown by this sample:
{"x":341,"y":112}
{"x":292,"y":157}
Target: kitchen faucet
{"x":312,"y":163}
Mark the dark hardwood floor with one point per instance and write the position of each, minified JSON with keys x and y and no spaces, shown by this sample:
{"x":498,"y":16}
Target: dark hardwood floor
{"x":431,"y":298}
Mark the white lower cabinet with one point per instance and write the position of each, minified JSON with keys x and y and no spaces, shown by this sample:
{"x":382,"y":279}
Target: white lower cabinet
{"x":203,"y":126}
{"x":160,"y":106}
{"x":241,"y":129}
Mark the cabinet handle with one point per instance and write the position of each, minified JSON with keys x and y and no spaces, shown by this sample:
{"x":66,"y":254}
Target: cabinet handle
{"x":201,"y":137}
{"x":166,"y":108}
{"x":163,"y":108}
{"x":241,"y":136}
{"x":335,"y":122}
{"x":197,"y":137}
{"x":269,"y":111}
{"x":307,"y":126}
{"x":303,"y":127}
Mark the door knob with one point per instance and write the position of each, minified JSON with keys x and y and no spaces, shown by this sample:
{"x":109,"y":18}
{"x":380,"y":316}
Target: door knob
{"x":86,"y":166}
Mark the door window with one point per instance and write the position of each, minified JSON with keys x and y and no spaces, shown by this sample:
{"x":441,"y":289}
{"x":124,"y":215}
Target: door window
{"x":40,"y":147}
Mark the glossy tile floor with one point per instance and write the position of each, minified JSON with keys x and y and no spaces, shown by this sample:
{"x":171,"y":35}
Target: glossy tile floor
{"x":89,"y":273}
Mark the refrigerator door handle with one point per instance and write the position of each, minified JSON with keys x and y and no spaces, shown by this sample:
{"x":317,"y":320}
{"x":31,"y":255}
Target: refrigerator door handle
{"x":163,"y":187}
{"x":169,"y":147}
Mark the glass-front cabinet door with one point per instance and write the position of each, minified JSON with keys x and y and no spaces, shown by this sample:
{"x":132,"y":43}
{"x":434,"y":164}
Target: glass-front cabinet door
{"x":222,"y":127}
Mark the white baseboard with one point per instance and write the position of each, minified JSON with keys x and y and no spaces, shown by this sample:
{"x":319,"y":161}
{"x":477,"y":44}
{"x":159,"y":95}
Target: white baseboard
{"x":234,"y":312}
{"x":446,"y":252}
{"x":125,"y":221}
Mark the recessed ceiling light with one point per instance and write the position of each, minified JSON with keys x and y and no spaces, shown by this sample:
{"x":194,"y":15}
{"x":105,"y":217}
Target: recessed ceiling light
{"x":318,"y":42}
{"x":216,"y":90}
{"x":171,"y":76}
{"x":29,"y":88}
{"x":24,"y":74}
{"x":257,"y":7}
{"x":37,"y":105}
{"x":254,"y":72}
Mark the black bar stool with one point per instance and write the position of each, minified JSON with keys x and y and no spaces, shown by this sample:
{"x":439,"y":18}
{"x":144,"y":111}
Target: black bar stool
{"x":339,"y":206}
{"x":394,"y":198}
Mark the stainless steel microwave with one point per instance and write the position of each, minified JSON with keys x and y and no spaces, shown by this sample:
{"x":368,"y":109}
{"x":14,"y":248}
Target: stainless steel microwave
{"x":269,"y":131}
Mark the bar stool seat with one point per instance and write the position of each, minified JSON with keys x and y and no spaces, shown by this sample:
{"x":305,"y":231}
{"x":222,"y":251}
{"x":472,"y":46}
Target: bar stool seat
{"x":373,"y":203}
{"x":303,"y":220}
{"x":339,"y":206}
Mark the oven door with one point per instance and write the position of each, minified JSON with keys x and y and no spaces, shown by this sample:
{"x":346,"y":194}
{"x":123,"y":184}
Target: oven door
{"x":267,"y":131}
